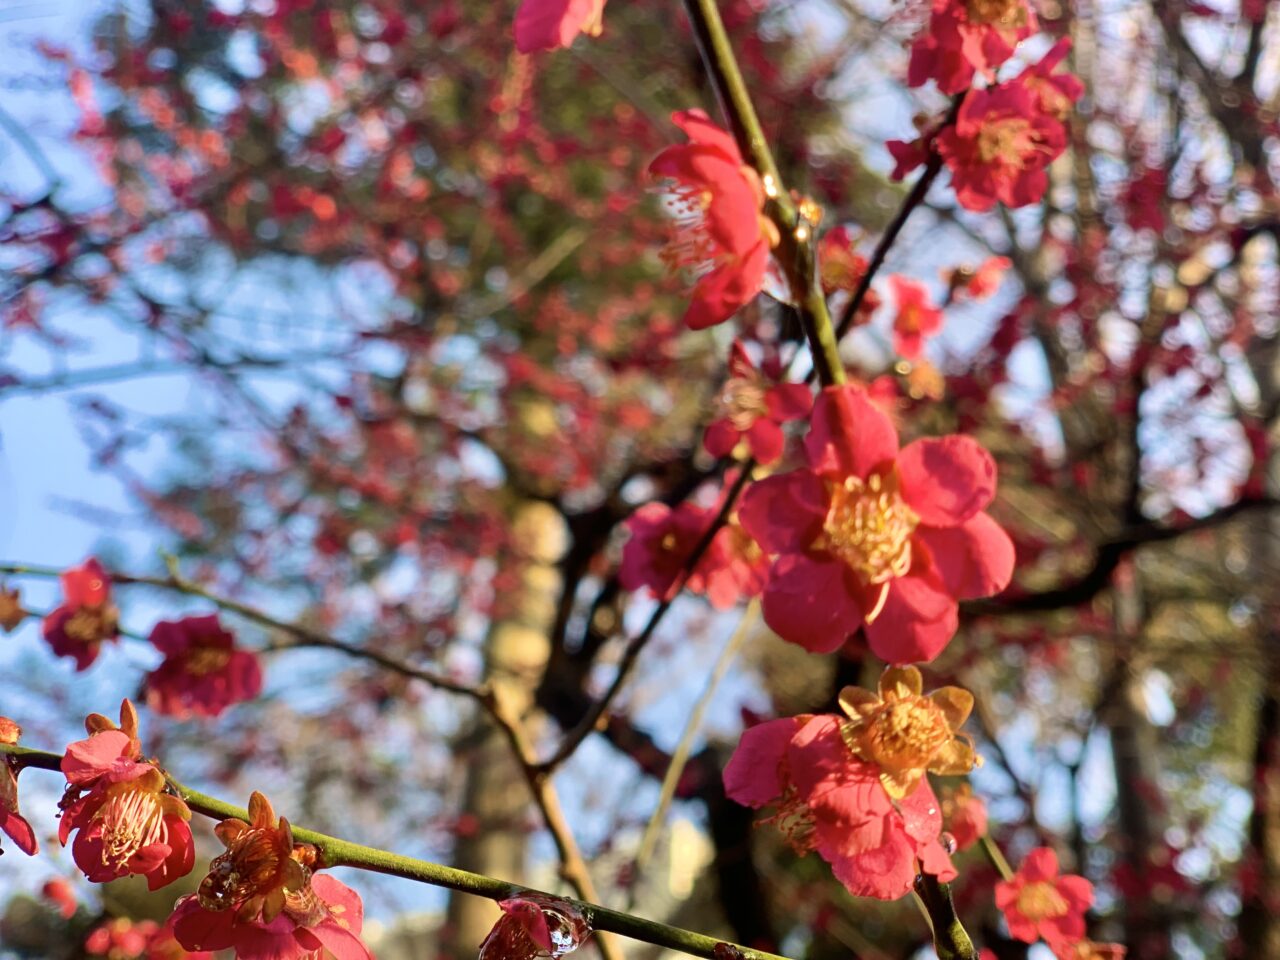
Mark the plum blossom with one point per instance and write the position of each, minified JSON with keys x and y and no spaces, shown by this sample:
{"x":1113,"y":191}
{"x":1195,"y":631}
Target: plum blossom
{"x":721,"y":234}
{"x":827,"y":799}
{"x":86,"y":617}
{"x":12,"y":823}
{"x":752,"y":407}
{"x":119,"y":806}
{"x":872,"y":536}
{"x":917,"y":318}
{"x":1039,"y":903}
{"x":261,"y":898}
{"x":202,"y":673}
{"x":968,"y":37}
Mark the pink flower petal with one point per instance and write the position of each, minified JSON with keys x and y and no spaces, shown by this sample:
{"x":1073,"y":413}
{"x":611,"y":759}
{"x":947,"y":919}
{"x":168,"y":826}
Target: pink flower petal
{"x":918,"y":620}
{"x":849,"y":435}
{"x":784,"y":513}
{"x":974,"y":559}
{"x":946,"y":481}
{"x":810,"y":602}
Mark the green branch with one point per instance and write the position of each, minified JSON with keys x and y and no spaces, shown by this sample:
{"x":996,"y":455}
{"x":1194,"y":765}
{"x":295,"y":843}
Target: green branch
{"x":336,"y":852}
{"x":796,"y":247}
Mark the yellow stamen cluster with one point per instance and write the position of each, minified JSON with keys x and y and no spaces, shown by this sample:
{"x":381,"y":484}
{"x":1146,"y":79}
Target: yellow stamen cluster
{"x":1041,"y":901}
{"x":742,"y":400}
{"x":869,"y":527}
{"x":262,"y":872}
{"x":907,"y":734}
{"x":1003,"y":13}
{"x":1008,"y":141}
{"x":202,"y":661}
{"x":132,"y":818}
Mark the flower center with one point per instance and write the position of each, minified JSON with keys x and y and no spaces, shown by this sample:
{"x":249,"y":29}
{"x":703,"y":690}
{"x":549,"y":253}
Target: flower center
{"x":87,"y":625}
{"x":202,"y":661}
{"x":250,"y":866}
{"x":742,"y":401}
{"x":132,"y":819}
{"x":1004,"y":13}
{"x":794,"y":820}
{"x":869,"y":527}
{"x":691,"y":246}
{"x":1009,"y":141}
{"x":1041,"y":901}
{"x":906,"y":734}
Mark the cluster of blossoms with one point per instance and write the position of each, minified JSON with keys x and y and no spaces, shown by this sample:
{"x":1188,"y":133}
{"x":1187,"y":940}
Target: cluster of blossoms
{"x":1005,"y":134}
{"x":261,"y":896}
{"x":203,"y":672}
{"x":124,"y":939}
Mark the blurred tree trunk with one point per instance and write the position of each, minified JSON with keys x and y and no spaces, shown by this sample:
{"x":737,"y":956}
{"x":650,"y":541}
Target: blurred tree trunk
{"x":1259,"y":925}
{"x":496,"y":804}
{"x":1135,"y":755}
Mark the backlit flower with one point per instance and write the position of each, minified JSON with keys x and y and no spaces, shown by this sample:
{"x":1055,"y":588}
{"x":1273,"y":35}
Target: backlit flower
{"x":1055,"y":93}
{"x":917,"y":318}
{"x":827,"y":799}
{"x":752,"y":407}
{"x":906,"y":734}
{"x":965,"y":37}
{"x":261,"y":898}
{"x":1040,"y":903}
{"x":549,"y":24}
{"x":662,"y":540}
{"x":12,"y":823}
{"x":999,"y":147}
{"x":977,"y":283}
{"x":964,"y":814}
{"x":119,"y":806}
{"x":870,"y":535}
{"x":86,"y":617}
{"x":202,"y":672}
{"x":721,"y":234}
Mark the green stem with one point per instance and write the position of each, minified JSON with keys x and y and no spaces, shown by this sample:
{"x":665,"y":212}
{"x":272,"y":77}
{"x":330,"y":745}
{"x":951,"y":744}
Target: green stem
{"x":796,"y":247}
{"x":950,"y":939}
{"x":336,"y":852}
{"x":996,"y":857}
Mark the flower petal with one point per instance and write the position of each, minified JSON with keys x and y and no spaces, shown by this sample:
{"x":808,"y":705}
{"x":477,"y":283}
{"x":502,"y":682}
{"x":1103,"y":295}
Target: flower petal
{"x":721,"y":437}
{"x":784,"y":513}
{"x":946,"y":480}
{"x":810,"y":603}
{"x":789,"y":401}
{"x":719,"y":294}
{"x":766,"y":441}
{"x":752,"y":776}
{"x":917,"y":622}
{"x":849,"y":435}
{"x":974,"y":559}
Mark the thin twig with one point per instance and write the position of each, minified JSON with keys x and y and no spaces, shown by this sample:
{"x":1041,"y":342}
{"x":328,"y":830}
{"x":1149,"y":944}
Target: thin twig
{"x":680,"y":757}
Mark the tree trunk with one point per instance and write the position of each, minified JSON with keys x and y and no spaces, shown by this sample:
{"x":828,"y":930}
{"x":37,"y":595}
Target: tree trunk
{"x":495,"y":819}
